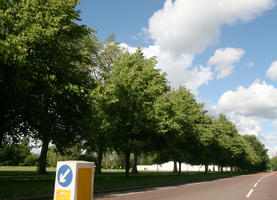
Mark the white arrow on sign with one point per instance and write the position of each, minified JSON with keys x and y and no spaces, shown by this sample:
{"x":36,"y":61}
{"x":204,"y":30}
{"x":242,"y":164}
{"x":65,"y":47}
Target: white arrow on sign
{"x":62,"y":176}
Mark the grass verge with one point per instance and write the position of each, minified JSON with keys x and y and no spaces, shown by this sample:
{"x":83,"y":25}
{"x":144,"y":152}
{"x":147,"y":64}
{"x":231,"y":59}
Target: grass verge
{"x":24,"y":182}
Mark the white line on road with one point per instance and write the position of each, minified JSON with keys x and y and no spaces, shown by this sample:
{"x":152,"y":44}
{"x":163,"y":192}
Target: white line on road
{"x":255,"y":185}
{"x":249,"y":193}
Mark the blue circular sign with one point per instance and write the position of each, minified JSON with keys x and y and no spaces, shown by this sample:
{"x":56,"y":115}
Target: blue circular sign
{"x":65,"y":175}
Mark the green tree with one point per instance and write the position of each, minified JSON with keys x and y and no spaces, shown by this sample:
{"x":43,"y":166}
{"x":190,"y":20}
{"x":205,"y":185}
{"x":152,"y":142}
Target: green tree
{"x":273,"y":163}
{"x":187,"y":114}
{"x":223,"y":131}
{"x":183,"y":115}
{"x":53,"y":156}
{"x":232,"y":148}
{"x":260,"y":150}
{"x":43,"y":53}
{"x":203,"y":152}
{"x":17,"y":154}
{"x":103,"y":56}
{"x":133,"y":87}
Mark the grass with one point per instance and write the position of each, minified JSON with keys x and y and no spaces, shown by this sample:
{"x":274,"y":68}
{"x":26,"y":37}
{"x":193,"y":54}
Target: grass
{"x":23,"y":181}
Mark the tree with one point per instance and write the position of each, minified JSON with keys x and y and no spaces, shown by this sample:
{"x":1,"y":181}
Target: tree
{"x":42,"y":50}
{"x":133,"y":87}
{"x":223,"y":131}
{"x":182,"y":138}
{"x":204,"y":149}
{"x":232,"y":149}
{"x":103,"y":56}
{"x":17,"y":154}
{"x":260,"y":150}
{"x":53,"y":156}
{"x":273,"y":163}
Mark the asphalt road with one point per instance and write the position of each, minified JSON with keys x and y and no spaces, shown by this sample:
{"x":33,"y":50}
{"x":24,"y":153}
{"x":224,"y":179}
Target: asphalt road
{"x":261,"y":186}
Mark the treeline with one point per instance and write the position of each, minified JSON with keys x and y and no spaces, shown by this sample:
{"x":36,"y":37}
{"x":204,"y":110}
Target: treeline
{"x":60,"y":85}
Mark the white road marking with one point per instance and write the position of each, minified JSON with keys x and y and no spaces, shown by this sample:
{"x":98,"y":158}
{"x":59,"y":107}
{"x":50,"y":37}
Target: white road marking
{"x":249,"y":193}
{"x":255,"y":185}
{"x":125,"y":194}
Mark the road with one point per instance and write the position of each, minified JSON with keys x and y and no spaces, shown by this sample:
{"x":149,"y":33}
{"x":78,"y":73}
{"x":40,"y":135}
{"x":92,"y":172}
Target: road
{"x":261,"y":186}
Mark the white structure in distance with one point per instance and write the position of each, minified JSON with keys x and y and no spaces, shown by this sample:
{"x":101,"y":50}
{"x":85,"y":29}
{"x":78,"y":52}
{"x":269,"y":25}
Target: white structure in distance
{"x":184,"y":167}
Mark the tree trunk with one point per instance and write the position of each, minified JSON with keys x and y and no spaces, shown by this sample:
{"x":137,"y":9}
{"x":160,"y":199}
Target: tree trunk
{"x":1,"y":128}
{"x":135,"y":169}
{"x":231,"y":168}
{"x":221,"y":169}
{"x":175,"y":170}
{"x":99,"y":162}
{"x":1,"y":137}
{"x":206,"y":168}
{"x":127,"y":163}
{"x":180,"y":168}
{"x":42,"y":160}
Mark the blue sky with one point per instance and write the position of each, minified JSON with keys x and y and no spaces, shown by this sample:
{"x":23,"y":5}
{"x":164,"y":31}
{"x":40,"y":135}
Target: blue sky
{"x":224,"y":51}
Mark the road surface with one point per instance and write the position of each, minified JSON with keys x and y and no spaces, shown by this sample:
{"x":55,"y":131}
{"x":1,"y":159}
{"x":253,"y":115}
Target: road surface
{"x":261,"y":186}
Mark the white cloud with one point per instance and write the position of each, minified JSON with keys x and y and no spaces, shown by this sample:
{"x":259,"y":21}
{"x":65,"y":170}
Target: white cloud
{"x":272,"y":151}
{"x":196,"y":77}
{"x":183,"y":28}
{"x":224,"y":60}
{"x":189,"y":26}
{"x":274,"y":123}
{"x":179,"y":69}
{"x":250,"y":109}
{"x":272,"y":71}
{"x":128,"y":48}
{"x":250,"y":64}
{"x":268,"y":139}
{"x":259,"y":100}
{"x":245,"y":125}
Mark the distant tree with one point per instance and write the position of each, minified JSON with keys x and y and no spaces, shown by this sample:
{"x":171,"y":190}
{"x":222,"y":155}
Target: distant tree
{"x":30,"y":160}
{"x":53,"y":156}
{"x":223,"y":131}
{"x":273,"y":163}
{"x":17,"y":154}
{"x":260,"y":150}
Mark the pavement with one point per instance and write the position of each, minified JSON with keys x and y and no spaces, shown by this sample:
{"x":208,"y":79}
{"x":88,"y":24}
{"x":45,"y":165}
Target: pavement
{"x":260,"y":186}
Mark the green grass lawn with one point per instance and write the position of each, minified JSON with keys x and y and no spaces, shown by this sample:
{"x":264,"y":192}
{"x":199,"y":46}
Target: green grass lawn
{"x":23,"y":181}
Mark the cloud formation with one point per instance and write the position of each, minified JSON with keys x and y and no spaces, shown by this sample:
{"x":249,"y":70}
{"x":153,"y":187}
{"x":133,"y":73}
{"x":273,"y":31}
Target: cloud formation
{"x":183,"y":28}
{"x":224,"y":59}
{"x":189,"y":26}
{"x":259,"y":100}
{"x":250,"y":64}
{"x":272,"y":71}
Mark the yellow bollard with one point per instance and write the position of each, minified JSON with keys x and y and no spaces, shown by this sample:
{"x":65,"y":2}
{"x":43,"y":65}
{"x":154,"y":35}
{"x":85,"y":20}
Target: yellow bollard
{"x":74,"y":180}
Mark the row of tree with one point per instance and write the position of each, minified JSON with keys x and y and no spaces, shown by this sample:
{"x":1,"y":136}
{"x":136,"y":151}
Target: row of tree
{"x":59,"y":84}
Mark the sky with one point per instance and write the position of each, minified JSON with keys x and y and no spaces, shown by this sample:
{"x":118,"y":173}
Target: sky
{"x":224,"y":51}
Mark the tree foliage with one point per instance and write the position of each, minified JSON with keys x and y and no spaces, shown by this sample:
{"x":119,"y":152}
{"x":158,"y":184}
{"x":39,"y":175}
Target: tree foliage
{"x":17,"y":154}
{"x":42,"y":50}
{"x":133,"y":87}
